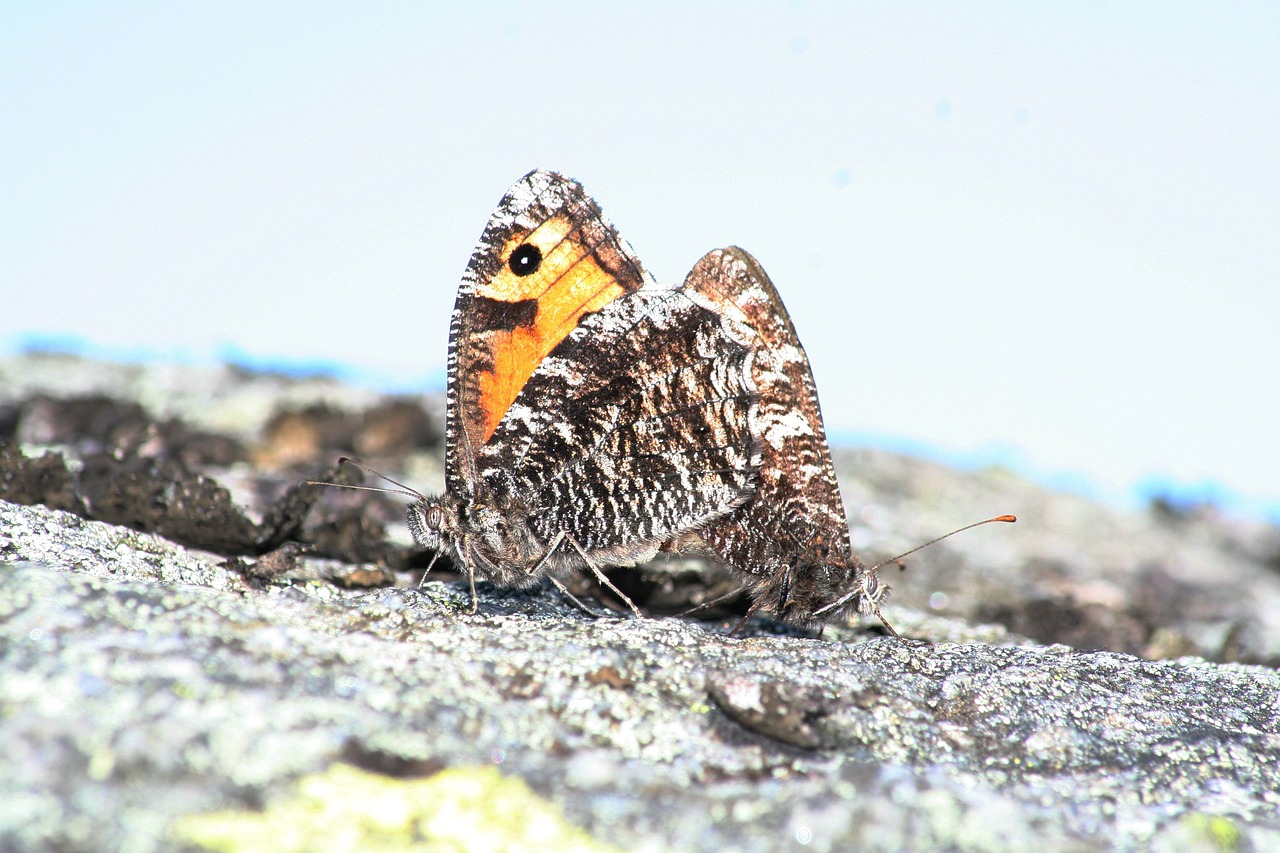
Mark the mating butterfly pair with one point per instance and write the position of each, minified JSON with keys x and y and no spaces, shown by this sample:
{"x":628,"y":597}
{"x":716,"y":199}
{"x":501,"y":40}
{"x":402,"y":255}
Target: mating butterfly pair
{"x":595,"y":417}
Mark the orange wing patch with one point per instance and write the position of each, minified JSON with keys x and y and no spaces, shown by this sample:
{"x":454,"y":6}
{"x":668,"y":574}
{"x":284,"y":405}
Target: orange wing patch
{"x":568,"y":284}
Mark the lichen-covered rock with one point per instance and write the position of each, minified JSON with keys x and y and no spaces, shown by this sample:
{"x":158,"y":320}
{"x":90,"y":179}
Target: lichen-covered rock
{"x":155,"y":696}
{"x":141,"y":683}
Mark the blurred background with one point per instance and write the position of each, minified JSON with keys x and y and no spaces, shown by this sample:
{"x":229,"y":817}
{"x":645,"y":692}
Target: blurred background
{"x":1031,"y":235}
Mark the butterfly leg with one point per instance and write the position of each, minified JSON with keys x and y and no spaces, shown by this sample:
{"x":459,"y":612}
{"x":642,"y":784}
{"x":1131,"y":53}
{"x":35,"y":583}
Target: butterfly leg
{"x":423,"y":580}
{"x":562,"y":538}
{"x":565,"y":592}
{"x":471,"y":578}
{"x":604,"y":581}
{"x":720,"y":599}
{"x":751,"y":611}
{"x":872,"y":592}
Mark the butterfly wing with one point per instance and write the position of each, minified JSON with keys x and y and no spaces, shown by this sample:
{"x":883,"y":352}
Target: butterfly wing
{"x":791,"y":540}
{"x":614,"y":410}
{"x":640,"y":425}
{"x":512,"y":311}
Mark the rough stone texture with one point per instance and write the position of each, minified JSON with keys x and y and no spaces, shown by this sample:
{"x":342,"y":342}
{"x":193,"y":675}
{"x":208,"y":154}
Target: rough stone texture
{"x":1159,"y":583}
{"x":142,"y":682}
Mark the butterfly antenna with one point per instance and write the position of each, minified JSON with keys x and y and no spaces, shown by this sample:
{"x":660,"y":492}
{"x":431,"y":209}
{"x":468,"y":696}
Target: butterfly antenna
{"x":1007,"y":518}
{"x":871,"y":571}
{"x":403,"y":490}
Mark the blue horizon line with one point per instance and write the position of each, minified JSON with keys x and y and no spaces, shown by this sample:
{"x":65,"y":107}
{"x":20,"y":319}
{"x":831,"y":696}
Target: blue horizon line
{"x":1181,"y":495}
{"x":229,"y":355}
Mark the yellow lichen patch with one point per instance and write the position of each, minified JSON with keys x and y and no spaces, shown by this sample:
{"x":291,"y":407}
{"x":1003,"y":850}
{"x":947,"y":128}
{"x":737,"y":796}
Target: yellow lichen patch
{"x":567,"y":284}
{"x":1221,"y":832}
{"x":461,"y":810}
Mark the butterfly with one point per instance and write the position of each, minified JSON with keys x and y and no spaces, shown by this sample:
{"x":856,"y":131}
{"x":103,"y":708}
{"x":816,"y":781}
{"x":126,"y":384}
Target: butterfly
{"x":790,"y":543}
{"x":592,"y":414}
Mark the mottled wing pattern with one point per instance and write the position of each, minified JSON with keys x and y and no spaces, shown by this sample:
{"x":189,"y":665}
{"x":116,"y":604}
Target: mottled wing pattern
{"x":611,"y":409}
{"x":504,"y":324}
{"x":791,"y":541}
{"x":641,"y":424}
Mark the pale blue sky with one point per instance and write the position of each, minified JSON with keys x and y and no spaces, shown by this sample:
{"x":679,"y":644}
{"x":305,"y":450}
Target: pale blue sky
{"x":1051,"y":230}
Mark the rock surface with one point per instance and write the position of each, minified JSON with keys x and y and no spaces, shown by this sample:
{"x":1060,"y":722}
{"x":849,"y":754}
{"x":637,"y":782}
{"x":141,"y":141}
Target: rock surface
{"x":145,"y":686}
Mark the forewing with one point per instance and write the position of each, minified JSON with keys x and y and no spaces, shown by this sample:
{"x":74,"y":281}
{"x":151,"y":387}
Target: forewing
{"x":511,"y":312}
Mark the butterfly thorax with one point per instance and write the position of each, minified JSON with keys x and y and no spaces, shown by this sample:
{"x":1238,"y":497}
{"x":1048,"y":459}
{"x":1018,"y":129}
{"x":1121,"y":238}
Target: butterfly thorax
{"x":482,"y":533}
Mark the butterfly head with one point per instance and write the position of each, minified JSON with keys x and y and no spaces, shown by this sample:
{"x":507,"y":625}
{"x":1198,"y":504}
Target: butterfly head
{"x":481,"y":535}
{"x":797,"y":592}
{"x":434,"y":522}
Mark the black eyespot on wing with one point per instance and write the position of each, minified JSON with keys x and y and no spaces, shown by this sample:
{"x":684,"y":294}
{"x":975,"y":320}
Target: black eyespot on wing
{"x":525,"y":260}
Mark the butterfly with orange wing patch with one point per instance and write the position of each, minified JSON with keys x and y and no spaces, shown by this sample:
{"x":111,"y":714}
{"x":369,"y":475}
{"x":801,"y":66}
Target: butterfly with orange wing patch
{"x":594,"y":417}
{"x":592,"y":414}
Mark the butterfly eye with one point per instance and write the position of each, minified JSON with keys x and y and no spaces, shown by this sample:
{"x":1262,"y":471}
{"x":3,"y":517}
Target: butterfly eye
{"x":435,"y":517}
{"x":525,"y":260}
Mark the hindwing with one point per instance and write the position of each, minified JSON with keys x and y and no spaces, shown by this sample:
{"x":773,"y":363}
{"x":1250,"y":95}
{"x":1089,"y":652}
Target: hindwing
{"x":791,"y":540}
{"x":639,"y":425}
